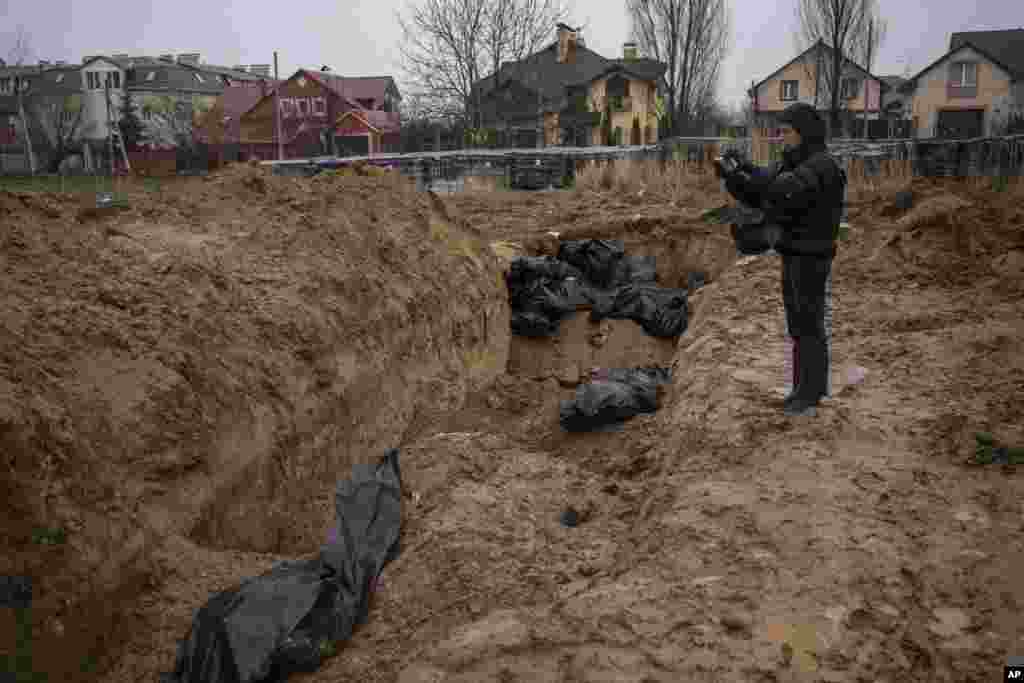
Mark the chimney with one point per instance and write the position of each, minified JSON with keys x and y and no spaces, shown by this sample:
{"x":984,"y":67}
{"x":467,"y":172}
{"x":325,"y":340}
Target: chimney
{"x":190,"y":58}
{"x":629,"y":52}
{"x":166,"y":58}
{"x":61,"y":62}
{"x":566,"y":42}
{"x":260,"y":69}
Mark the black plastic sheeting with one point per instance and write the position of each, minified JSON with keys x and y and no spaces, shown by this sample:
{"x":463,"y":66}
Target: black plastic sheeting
{"x":750,"y":231}
{"x":614,"y":395}
{"x":597,"y":275}
{"x":280,"y":622}
{"x":661,"y":312}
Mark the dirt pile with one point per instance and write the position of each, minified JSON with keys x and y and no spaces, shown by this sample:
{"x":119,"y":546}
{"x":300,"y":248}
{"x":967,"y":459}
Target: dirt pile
{"x":717,"y":539}
{"x":207,"y":363}
{"x":952,"y":231}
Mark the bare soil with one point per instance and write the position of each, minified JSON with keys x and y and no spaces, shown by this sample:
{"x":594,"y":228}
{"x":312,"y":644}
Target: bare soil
{"x":182,"y":383}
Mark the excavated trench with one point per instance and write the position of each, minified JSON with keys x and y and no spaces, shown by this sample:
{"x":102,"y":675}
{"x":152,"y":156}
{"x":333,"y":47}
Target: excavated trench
{"x":490,"y":586}
{"x":244,"y":366}
{"x":256,"y":508}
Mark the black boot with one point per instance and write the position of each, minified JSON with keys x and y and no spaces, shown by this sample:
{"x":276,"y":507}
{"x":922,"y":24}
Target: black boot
{"x":813,"y":378}
{"x":796,"y":373}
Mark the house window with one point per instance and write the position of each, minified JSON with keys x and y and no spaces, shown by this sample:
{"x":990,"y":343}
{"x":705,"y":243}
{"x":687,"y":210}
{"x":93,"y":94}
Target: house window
{"x":964,"y":74}
{"x":151,"y":75}
{"x":60,"y":78}
{"x":93,"y":80}
{"x":790,"y":90}
{"x":112,"y":79}
{"x":320,"y":106}
{"x":851,"y":88}
{"x":303,"y":106}
{"x":5,"y":86}
{"x":287,"y":107}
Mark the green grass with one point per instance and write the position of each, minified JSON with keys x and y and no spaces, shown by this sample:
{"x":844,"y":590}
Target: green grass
{"x":44,"y":536}
{"x":76,"y":184}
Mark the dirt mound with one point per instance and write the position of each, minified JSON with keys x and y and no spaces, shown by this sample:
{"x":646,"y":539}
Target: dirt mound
{"x":957,"y":235}
{"x":206,"y":364}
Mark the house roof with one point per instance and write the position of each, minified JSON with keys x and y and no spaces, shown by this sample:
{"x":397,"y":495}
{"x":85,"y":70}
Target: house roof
{"x":645,"y":72}
{"x":330,"y":82}
{"x":383,"y":121}
{"x":963,"y":44}
{"x":894,"y":82}
{"x":644,"y":68}
{"x":362,"y":115}
{"x":238,"y":99}
{"x":816,"y":46}
{"x":333,"y":82}
{"x":365,"y":87}
{"x":1005,"y":46}
{"x":543,"y":73}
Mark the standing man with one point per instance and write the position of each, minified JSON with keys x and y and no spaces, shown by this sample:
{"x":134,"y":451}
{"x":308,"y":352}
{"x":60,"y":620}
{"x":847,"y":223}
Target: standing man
{"x":804,"y":195}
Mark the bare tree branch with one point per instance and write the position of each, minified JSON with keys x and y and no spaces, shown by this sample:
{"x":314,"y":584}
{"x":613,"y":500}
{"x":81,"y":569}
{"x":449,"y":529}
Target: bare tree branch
{"x":692,"y":38}
{"x":19,"y":55}
{"x":842,"y":26}
{"x":450,"y":45}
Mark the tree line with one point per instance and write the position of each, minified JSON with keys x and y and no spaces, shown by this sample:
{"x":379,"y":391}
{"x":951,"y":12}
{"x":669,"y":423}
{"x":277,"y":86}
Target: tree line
{"x":448,"y":46}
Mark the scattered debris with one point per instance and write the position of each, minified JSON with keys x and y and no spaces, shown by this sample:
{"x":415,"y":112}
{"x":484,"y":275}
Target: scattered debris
{"x":988,"y":452}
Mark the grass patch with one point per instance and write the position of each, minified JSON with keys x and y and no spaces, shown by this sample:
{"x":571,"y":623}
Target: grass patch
{"x":80,"y":184}
{"x":45,"y":536}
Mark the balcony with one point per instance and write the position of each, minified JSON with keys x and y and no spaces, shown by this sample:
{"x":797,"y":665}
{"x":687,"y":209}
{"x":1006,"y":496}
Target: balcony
{"x":956,"y":90}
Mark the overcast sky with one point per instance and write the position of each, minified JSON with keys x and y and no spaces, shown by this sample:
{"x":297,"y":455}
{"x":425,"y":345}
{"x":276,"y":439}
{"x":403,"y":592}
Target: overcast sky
{"x":360,"y":38}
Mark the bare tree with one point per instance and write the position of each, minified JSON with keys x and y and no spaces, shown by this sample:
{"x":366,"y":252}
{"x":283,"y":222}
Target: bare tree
{"x":692,"y":38}
{"x":872,"y":38}
{"x":442,"y":50}
{"x":840,"y":26}
{"x":60,"y":120}
{"x":516,"y":29}
{"x":171,"y":122}
{"x":19,"y":55}
{"x":449,"y":45}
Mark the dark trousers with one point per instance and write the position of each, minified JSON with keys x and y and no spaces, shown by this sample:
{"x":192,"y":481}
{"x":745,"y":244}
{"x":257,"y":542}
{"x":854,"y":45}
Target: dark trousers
{"x":805,"y":294}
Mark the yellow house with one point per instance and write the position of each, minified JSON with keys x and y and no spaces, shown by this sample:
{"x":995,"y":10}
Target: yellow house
{"x":566,"y":90}
{"x":806,"y":79}
{"x":974,"y":90}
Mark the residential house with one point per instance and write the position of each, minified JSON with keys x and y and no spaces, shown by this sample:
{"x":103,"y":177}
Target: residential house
{"x":806,"y":79}
{"x":974,"y":90}
{"x":320,"y":115}
{"x":183,"y":84}
{"x":563,"y":91}
{"x":53,"y":104}
{"x":221,"y":126}
{"x":101,"y":83}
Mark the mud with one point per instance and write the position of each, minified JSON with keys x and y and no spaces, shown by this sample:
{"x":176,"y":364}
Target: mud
{"x":720,"y":540}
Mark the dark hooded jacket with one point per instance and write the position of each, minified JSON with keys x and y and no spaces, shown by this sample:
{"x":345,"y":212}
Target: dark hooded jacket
{"x":804,"y":193}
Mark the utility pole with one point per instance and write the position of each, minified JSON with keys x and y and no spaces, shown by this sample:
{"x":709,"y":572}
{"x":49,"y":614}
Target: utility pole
{"x":277,"y":110}
{"x":110,"y":130}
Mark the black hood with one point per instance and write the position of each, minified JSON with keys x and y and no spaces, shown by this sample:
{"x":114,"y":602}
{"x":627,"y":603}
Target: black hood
{"x":806,"y":121}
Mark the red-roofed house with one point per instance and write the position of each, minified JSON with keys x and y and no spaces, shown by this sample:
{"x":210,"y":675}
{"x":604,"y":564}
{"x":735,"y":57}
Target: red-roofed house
{"x":221,"y":125}
{"x":312,"y":104}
